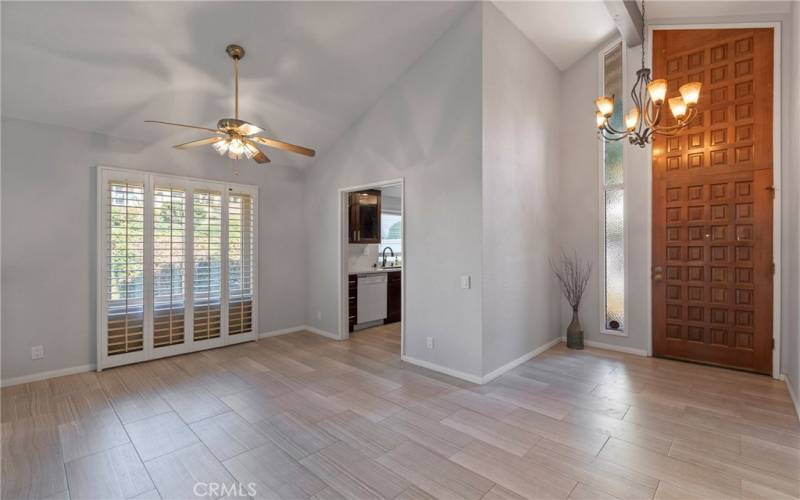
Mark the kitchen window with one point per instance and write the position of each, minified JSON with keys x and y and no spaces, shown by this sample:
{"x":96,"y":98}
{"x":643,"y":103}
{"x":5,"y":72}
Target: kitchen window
{"x":391,"y":233}
{"x":177,"y":265}
{"x":612,"y":209}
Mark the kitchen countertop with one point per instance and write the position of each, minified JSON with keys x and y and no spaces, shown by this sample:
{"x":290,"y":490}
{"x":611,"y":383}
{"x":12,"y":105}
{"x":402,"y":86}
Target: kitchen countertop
{"x":377,"y":270}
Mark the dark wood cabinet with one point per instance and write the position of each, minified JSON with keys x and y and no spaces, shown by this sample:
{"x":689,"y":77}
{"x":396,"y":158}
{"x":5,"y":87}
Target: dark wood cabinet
{"x":394,"y":297}
{"x":352,"y":300}
{"x":365,"y":216}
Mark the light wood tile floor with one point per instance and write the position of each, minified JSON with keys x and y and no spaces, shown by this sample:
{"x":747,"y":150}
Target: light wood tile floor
{"x":302,"y":416}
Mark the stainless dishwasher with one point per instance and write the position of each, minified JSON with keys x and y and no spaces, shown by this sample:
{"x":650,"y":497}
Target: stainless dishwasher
{"x":371,"y":297}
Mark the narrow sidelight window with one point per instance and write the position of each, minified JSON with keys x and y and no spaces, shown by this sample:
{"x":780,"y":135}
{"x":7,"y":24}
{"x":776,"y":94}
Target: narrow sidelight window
{"x":612,"y":209}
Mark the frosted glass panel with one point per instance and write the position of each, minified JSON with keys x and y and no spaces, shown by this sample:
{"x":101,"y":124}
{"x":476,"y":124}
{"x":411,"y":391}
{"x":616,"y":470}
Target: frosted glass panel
{"x":612,"y":86}
{"x":615,"y":260}
{"x":614,"y":215}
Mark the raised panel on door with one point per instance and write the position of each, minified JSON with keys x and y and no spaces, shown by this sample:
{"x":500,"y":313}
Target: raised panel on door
{"x":712,"y":202}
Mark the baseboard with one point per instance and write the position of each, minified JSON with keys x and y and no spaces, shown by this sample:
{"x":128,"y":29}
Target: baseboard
{"x":282,"y":331}
{"x":612,"y":347}
{"x":792,"y":395}
{"x":442,"y":369}
{"x":45,"y":375}
{"x":513,"y":364}
{"x":318,"y":331}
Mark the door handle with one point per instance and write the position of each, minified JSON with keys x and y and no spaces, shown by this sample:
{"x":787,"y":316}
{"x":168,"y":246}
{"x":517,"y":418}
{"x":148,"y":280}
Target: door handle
{"x":657,"y":277}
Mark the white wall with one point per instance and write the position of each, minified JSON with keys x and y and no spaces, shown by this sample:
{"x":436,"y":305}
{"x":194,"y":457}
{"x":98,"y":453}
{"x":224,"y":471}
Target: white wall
{"x":49,"y":237}
{"x":425,"y":128}
{"x":521,"y":162}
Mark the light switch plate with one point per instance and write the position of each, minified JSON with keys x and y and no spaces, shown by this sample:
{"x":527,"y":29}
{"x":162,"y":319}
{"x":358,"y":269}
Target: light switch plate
{"x":37,"y":352}
{"x":466,"y":282}
{"x":429,"y":342}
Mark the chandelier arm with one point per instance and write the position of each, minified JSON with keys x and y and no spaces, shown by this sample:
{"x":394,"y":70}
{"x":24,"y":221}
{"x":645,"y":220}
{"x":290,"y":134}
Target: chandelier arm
{"x":653,"y":114}
{"x":681,"y":123}
{"x":611,"y":129}
{"x":609,"y":138}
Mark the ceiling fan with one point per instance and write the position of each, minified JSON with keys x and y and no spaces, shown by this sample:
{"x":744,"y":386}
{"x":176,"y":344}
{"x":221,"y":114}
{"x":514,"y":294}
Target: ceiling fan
{"x":236,"y":138}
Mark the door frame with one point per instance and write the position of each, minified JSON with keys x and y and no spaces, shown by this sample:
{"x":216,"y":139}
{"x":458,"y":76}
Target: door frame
{"x":776,"y":177}
{"x":344,"y":213}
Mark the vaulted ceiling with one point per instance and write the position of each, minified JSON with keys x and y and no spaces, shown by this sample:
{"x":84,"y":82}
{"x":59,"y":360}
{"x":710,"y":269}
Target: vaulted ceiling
{"x":311,"y":67}
{"x":566,"y":30}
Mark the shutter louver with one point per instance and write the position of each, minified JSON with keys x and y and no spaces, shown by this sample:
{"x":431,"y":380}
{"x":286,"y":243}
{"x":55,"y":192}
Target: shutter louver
{"x":240,"y":263}
{"x":207,"y":281}
{"x":169,"y":217}
{"x":125,"y":267}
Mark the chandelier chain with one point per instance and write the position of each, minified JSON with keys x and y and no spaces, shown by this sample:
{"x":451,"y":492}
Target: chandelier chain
{"x":644,"y":34}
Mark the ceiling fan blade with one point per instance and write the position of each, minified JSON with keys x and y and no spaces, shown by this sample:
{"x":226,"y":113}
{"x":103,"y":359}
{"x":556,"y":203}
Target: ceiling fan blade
{"x":186,"y":126}
{"x":259,"y":156}
{"x":282,"y":145}
{"x":249,"y":129}
{"x":201,"y":142}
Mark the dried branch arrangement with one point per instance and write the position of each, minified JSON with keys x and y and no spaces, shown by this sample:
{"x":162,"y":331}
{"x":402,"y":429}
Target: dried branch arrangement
{"x":573,"y":276}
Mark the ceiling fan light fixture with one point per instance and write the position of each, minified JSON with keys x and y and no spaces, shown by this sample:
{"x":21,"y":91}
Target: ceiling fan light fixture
{"x":221,"y":146}
{"x":234,"y":137}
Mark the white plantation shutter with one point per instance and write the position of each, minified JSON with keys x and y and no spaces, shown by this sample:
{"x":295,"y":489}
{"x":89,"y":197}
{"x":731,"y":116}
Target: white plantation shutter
{"x":207,"y":276}
{"x":124,"y":286}
{"x":177,"y":265}
{"x":169,"y":270}
{"x":240,"y":263}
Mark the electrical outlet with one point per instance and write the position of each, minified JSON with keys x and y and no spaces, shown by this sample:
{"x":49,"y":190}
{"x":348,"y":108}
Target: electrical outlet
{"x":429,"y":342}
{"x":319,"y":315}
{"x":466,"y":282}
{"x":37,"y":352}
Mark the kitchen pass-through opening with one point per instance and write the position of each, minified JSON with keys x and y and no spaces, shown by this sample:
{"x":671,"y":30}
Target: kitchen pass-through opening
{"x":373,"y":264}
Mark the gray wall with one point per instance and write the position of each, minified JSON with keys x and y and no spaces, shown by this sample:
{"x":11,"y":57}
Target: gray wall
{"x":49,"y":240}
{"x":790,"y":348}
{"x":426,"y":128}
{"x":579,"y":204}
{"x":521,"y":162}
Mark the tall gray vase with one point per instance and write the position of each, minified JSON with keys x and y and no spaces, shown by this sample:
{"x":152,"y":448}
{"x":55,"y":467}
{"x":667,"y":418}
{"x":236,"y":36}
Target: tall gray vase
{"x":575,"y":332}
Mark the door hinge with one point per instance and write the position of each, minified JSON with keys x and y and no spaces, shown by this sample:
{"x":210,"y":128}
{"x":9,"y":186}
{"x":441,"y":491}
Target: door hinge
{"x":773,"y":269}
{"x":773,"y":343}
{"x":771,"y":189}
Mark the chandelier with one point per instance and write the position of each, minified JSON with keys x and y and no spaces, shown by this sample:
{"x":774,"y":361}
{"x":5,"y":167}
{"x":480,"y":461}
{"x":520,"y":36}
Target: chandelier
{"x":644,"y":119}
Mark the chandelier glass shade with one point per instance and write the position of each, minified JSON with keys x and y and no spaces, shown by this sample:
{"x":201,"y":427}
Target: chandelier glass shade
{"x":648,"y":115}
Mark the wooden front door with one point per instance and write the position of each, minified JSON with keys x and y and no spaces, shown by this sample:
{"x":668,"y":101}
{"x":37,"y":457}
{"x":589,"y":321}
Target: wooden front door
{"x":712,"y":202}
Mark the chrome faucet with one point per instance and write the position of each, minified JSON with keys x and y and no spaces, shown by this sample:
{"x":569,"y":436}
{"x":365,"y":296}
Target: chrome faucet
{"x":383,"y":262}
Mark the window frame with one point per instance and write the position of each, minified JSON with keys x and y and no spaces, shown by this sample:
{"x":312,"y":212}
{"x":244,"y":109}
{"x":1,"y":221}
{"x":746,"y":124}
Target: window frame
{"x":189,"y":184}
{"x":602,"y":188}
